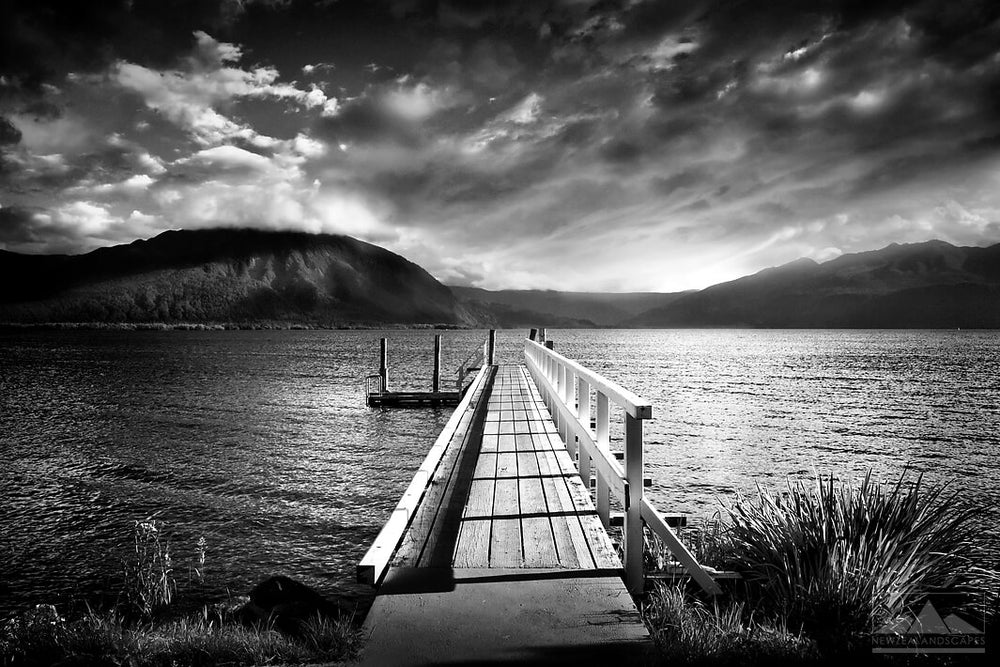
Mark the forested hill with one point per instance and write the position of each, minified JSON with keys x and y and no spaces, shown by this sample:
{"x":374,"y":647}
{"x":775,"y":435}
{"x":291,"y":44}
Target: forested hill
{"x":227,"y":275}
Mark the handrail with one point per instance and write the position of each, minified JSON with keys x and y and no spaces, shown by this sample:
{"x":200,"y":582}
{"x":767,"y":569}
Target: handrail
{"x":375,"y":563}
{"x":638,"y":407}
{"x":566,"y":387}
{"x":477,"y":355}
{"x":472,"y":362}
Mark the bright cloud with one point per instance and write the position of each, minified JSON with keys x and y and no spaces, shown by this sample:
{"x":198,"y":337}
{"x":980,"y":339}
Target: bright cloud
{"x":190,"y":96}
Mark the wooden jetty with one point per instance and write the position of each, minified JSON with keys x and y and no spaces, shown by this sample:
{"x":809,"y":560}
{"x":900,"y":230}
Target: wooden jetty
{"x":497,"y":551}
{"x":378,"y":394}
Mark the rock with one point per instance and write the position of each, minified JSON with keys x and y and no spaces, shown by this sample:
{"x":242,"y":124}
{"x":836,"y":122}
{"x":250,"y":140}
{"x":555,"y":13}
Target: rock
{"x":229,"y":610}
{"x":287,"y":604}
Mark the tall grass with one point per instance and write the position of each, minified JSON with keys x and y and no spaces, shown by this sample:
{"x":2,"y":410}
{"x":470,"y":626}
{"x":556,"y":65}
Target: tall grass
{"x":149,"y":574}
{"x":690,"y":631}
{"x":840,"y":558}
{"x":41,"y":638}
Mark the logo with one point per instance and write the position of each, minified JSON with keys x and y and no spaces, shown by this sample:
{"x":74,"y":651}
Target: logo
{"x":928,"y":632}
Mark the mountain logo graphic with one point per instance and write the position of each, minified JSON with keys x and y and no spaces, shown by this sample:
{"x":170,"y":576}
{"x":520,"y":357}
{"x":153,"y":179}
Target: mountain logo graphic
{"x":929,"y":622}
{"x":927,"y":632}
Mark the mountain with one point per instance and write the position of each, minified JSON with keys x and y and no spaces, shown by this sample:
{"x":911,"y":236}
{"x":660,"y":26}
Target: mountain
{"x":252,"y":277}
{"x":918,"y":285}
{"x":562,"y":309}
{"x":227,"y":275}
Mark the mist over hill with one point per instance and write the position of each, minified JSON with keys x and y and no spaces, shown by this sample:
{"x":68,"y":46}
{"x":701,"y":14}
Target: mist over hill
{"x":227,"y":275}
{"x":554,"y":309}
{"x":919,"y":285}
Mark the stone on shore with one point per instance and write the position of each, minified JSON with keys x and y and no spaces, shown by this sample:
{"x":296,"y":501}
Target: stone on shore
{"x":287,"y":604}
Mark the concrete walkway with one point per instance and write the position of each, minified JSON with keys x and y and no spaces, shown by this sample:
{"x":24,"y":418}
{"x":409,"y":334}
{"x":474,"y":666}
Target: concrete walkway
{"x":489,"y":616}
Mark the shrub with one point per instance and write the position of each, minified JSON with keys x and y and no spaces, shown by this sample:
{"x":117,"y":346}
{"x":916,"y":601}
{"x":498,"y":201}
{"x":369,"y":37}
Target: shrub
{"x":840,"y":559}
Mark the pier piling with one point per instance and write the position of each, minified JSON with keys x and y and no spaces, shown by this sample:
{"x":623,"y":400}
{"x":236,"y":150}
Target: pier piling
{"x":436,"y":381}
{"x":383,"y":369}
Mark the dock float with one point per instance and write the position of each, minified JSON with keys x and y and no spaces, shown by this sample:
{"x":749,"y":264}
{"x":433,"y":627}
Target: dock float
{"x":498,"y":552}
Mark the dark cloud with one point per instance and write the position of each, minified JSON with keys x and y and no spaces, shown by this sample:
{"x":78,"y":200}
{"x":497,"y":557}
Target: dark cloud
{"x":366,"y":120}
{"x":8,"y":133}
{"x":621,"y":151}
{"x":684,"y":179}
{"x":17,"y":226}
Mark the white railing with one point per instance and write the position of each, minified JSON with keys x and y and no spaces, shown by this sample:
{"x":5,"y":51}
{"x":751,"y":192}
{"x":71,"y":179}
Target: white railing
{"x":566,"y":387}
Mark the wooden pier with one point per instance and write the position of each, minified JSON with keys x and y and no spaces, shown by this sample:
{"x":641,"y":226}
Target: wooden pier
{"x":378,"y":393}
{"x":498,"y":551}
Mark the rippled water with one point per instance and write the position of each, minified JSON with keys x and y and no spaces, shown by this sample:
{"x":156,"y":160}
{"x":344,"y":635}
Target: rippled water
{"x":260,"y":442}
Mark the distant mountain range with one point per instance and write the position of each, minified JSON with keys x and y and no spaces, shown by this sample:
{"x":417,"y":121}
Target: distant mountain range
{"x":252,"y":277}
{"x":917,"y":285}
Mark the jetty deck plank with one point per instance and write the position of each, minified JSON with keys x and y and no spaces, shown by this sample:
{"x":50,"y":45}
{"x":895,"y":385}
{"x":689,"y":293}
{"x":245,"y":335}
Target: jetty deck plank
{"x":525,"y":468}
{"x":509,"y":560}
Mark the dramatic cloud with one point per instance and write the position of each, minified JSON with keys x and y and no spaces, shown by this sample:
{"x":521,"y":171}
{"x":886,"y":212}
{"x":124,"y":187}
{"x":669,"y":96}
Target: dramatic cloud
{"x":630,"y":144}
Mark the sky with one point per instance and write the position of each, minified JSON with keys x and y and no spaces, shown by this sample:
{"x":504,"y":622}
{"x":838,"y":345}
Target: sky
{"x":610,"y":145}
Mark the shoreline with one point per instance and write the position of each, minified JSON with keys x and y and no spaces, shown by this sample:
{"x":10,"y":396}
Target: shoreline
{"x":225,"y":326}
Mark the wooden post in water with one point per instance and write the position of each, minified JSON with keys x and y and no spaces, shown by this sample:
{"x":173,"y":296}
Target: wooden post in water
{"x":491,"y":349}
{"x":541,"y":335}
{"x":634,"y":578}
{"x":436,"y":381}
{"x":383,"y":369}
{"x":533,"y":334}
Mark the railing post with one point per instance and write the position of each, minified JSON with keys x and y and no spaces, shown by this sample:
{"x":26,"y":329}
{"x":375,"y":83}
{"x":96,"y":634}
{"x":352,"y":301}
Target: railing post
{"x":560,"y":383}
{"x":583,"y":414}
{"x":567,"y":389}
{"x":603,"y":443}
{"x":550,"y":371}
{"x":436,"y":380}
{"x":491,"y":348}
{"x":634,"y":579}
{"x":383,"y":369}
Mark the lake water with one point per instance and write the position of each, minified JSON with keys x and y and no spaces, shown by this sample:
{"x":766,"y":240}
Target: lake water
{"x":260,"y":441}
